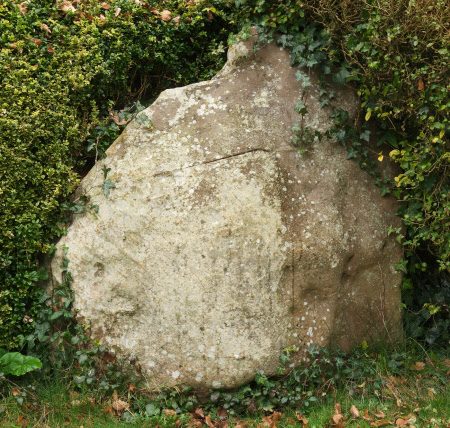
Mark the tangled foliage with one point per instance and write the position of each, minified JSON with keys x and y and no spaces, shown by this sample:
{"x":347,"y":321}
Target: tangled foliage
{"x":399,"y":57}
{"x":63,"y":69}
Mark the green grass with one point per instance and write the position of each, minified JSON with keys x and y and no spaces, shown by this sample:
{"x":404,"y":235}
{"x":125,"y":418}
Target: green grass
{"x":414,"y":387}
{"x":56,"y":408}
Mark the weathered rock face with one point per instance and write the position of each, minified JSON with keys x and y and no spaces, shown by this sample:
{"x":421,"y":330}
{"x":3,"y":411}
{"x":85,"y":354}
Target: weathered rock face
{"x":221,"y":245}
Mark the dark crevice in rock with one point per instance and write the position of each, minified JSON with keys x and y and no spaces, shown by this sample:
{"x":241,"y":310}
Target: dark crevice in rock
{"x":212,"y":161}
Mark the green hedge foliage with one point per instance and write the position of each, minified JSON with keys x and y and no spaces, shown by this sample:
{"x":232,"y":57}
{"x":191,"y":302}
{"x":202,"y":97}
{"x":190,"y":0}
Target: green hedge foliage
{"x":63,"y":66}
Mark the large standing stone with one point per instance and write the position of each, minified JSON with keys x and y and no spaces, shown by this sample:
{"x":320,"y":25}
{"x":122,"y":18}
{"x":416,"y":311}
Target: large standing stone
{"x":221,"y":244}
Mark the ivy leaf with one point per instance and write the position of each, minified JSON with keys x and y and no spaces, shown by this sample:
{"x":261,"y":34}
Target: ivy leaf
{"x":152,"y":410}
{"x":311,"y":62}
{"x":385,"y":191}
{"x":107,"y":186}
{"x":55,"y":315}
{"x":340,"y":77}
{"x":301,"y":108}
{"x":365,"y":135}
{"x":105,"y":171}
{"x":326,"y":69}
{"x":352,"y":153}
{"x":402,"y":266}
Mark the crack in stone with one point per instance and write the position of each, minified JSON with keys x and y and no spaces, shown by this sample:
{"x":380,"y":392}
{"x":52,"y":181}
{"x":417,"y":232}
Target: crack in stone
{"x":211,"y":161}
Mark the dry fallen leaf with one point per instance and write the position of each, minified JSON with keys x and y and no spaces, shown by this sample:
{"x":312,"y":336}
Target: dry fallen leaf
{"x":119,"y":405}
{"x":170,"y":412}
{"x":176,"y":19}
{"x":131,"y":387}
{"x":102,"y":18}
{"x":108,"y":409}
{"x":117,"y":11}
{"x":209,"y":15}
{"x":241,"y":425}
{"x":446,"y":362}
{"x":301,"y":419}
{"x":338,"y":419}
{"x":199,"y":412}
{"x":23,"y":7}
{"x":86,"y":15}
{"x":16,"y":391}
{"x":271,"y":420}
{"x":66,"y":6}
{"x":420,"y":85}
{"x":208,"y":421}
{"x":354,"y":411}
{"x":380,"y":415}
{"x":401,"y":422}
{"x":366,"y":416}
{"x":45,"y":28}
{"x":50,"y":49}
{"x":21,"y":421}
{"x":381,"y":423}
{"x":105,"y":6}
{"x":154,"y":11}
{"x":221,"y":412}
{"x":12,"y":45}
{"x":108,"y":358}
{"x":37,"y":41}
{"x":166,"y":15}
{"x":418,"y":366}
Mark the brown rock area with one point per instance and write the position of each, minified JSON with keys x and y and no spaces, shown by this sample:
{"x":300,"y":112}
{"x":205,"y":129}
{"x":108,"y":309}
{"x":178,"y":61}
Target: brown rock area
{"x":221,"y":244}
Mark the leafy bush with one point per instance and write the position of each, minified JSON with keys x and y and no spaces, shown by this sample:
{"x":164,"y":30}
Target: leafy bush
{"x":426,"y":296}
{"x":63,"y":69}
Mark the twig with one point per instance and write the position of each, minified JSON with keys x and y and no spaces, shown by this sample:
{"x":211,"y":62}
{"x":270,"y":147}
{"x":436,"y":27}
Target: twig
{"x":20,"y":387}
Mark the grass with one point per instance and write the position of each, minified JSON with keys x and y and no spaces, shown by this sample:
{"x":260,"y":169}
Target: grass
{"x":413,"y":391}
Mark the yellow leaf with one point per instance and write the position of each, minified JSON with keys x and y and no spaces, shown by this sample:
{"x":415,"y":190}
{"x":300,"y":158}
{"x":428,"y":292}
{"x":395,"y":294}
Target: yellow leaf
{"x":368,"y":114}
{"x":435,"y":140}
{"x":394,"y":153}
{"x":441,"y":134}
{"x":397,"y":178}
{"x":380,"y":156}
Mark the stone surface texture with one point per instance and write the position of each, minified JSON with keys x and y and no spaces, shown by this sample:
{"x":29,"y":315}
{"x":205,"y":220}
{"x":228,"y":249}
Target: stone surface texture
{"x":221,"y":244}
